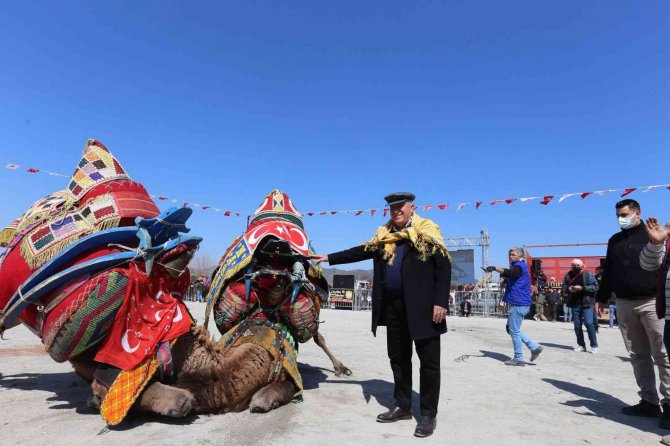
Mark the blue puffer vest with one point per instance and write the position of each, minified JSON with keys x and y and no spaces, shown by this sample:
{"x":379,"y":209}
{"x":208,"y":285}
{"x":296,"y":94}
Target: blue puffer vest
{"x":517,"y":291}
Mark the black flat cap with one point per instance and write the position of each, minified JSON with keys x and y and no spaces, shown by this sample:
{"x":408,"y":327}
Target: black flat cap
{"x":399,"y":197}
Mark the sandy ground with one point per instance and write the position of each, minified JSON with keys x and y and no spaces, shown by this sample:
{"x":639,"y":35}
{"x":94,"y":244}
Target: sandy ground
{"x":566,"y":398}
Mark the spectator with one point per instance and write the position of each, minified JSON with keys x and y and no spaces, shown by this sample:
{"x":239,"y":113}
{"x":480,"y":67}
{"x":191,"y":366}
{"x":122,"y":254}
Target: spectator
{"x":517,"y":297}
{"x":640,"y":326}
{"x":552,"y":303}
{"x":579,"y":288}
{"x":466,"y":306}
{"x":539,"y":304}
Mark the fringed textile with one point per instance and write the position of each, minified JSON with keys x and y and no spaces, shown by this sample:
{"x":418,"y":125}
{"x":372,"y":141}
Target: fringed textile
{"x":424,"y":235}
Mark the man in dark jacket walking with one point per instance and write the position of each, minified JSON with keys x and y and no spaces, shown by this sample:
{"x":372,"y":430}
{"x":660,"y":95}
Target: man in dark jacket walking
{"x":412,"y":276}
{"x":578,"y":290}
{"x":640,"y":327}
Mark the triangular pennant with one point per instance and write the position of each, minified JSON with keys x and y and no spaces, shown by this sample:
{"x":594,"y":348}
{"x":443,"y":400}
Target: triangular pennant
{"x":563,"y":197}
{"x":524,"y":199}
{"x":427,"y":207}
{"x":494,"y":202}
{"x":227,"y":213}
{"x":204,"y":208}
{"x":162,"y":198}
{"x":333,"y":212}
{"x":323,"y":213}
{"x":477,"y":204}
{"x":585,"y":194}
{"x":358,"y":212}
{"x":510,"y":200}
{"x":648,"y":188}
{"x":373,"y":211}
{"x":31,"y":170}
{"x":547,"y":199}
{"x":12,"y":166}
{"x":442,"y":206}
{"x":460,"y":206}
{"x":385,"y":211}
{"x":628,"y":191}
{"x":310,"y":213}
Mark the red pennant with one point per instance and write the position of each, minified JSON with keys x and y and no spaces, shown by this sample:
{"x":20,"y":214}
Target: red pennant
{"x":427,"y":207}
{"x":310,"y":213}
{"x":227,"y":213}
{"x":494,"y":202}
{"x":628,"y":191}
{"x":373,"y":211}
{"x":585,"y":194}
{"x":477,"y":204}
{"x":547,"y":199}
{"x":186,"y":203}
{"x":442,"y":206}
{"x":358,"y":212}
{"x":385,"y":212}
{"x":333,"y":212}
{"x":205,"y":207}
{"x":31,"y":170}
{"x":323,"y":213}
{"x":510,"y":200}
{"x":162,"y":198}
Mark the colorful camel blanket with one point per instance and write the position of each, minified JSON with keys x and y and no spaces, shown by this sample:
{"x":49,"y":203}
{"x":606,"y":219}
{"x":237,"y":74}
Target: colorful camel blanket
{"x":268,"y":335}
{"x":152,"y":312}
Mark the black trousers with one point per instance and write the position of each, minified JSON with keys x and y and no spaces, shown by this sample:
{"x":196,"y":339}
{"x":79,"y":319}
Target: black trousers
{"x":399,"y":347}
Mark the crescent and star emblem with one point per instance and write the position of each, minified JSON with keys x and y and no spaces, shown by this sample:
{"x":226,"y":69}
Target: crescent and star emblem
{"x":125,"y":345}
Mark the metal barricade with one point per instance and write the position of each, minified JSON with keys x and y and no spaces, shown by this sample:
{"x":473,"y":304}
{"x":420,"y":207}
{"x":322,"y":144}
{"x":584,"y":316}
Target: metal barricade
{"x":485,"y":303}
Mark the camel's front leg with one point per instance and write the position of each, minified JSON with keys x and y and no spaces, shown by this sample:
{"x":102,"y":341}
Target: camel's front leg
{"x":337,"y":364}
{"x":272,"y":396}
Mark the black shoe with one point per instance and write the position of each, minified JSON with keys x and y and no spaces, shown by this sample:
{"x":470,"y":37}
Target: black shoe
{"x":515,"y":362}
{"x":642,"y":409}
{"x":425,"y":427}
{"x":395,"y":414}
{"x":535,"y":353}
{"x":664,"y":422}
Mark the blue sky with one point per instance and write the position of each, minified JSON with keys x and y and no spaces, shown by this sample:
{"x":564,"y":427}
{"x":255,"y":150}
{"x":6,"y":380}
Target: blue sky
{"x":340,"y":103}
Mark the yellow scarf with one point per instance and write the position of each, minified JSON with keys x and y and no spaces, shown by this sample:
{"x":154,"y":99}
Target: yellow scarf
{"x":424,"y":235}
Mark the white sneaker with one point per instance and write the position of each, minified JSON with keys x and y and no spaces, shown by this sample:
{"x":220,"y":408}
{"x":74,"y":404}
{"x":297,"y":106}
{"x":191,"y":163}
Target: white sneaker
{"x":594,"y":350}
{"x":579,"y":348}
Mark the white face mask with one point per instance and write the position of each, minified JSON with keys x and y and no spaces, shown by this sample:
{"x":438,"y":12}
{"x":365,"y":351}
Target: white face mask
{"x":627,"y":222}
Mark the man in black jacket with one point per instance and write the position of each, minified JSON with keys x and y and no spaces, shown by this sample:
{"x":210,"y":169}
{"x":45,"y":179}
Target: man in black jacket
{"x":412,"y":276}
{"x":640,"y":327}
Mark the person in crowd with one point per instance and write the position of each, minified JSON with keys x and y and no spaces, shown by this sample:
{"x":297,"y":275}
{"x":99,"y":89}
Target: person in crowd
{"x":567,"y":312}
{"x":412,"y":277}
{"x":640,"y":327}
{"x":198,"y":287}
{"x":579,"y":289}
{"x":466,"y":306}
{"x":540,"y":299}
{"x":654,"y":257}
{"x":552,"y":302}
{"x":517,"y":297}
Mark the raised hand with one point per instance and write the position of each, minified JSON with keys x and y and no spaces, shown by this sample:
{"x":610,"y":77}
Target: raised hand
{"x":657,"y":233}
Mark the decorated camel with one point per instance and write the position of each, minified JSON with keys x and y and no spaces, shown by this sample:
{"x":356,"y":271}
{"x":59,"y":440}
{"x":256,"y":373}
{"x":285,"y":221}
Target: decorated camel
{"x":98,"y":274}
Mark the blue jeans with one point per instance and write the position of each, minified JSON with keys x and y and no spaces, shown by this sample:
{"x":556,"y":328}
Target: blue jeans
{"x":584,"y":315}
{"x":612,"y":313}
{"x":515,"y":315}
{"x":567,"y":313}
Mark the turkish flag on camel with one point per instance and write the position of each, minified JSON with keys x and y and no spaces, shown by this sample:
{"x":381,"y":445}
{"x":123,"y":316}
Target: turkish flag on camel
{"x":152,"y":312}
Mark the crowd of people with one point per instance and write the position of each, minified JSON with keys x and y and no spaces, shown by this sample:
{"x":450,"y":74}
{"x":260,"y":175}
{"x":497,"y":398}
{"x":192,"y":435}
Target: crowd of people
{"x":411,"y":297}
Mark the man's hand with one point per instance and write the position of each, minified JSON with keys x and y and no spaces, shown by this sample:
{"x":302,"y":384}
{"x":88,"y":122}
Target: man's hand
{"x":438,"y":314}
{"x":657,"y":233}
{"x":574,"y":288}
{"x":490,"y":269}
{"x":319,"y":258}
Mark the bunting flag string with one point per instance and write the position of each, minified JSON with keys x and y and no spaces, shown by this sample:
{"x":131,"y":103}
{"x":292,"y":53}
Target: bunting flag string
{"x":544,"y":199}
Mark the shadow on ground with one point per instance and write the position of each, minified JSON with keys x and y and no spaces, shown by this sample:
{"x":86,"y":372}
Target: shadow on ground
{"x":66,"y":387}
{"x":560,"y":346}
{"x":602,"y":405}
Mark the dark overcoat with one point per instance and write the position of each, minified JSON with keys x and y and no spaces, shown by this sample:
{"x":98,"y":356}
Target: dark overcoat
{"x":425,"y":284}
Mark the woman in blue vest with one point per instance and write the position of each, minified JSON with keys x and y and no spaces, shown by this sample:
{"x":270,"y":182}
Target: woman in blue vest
{"x":517,"y":297}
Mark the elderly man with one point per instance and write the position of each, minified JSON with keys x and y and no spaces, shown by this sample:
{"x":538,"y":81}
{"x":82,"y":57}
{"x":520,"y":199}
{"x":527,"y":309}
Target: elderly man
{"x":518,"y":299}
{"x":578,"y":290}
{"x":412,"y":276}
{"x":641,"y":328}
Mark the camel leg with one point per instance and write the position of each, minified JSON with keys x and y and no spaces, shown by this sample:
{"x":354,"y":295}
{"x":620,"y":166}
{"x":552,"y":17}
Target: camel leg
{"x":272,"y":396}
{"x":166,"y":400}
{"x":337,"y":364}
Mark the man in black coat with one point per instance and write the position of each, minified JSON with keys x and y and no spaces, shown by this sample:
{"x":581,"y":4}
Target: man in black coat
{"x":412,"y":276}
